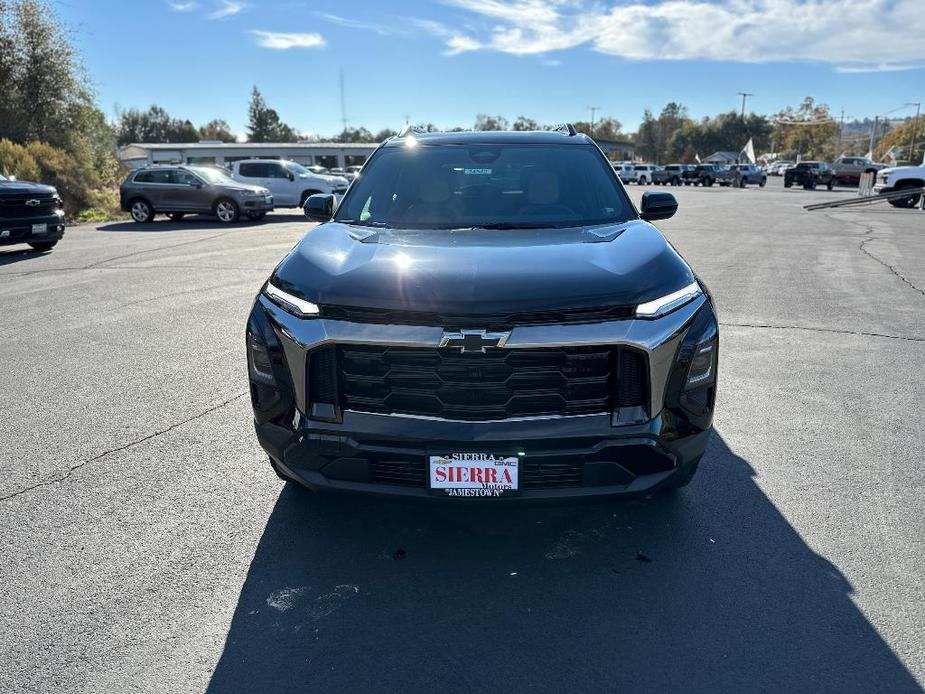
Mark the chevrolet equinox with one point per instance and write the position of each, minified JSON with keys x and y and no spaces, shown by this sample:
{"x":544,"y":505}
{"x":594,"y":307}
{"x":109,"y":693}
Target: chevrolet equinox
{"x":485,"y":316}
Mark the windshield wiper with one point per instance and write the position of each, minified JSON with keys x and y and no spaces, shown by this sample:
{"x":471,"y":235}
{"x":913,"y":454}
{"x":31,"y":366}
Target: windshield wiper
{"x":513,"y":225}
{"x":365,"y":223}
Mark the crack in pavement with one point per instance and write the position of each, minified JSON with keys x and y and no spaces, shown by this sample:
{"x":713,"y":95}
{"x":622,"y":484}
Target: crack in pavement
{"x":836,"y":331}
{"x":117,"y":449}
{"x":869,"y":229}
{"x":889,"y":267}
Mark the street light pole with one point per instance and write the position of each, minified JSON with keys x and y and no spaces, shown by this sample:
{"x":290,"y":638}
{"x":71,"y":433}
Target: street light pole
{"x":593,"y":109}
{"x":744,"y":96}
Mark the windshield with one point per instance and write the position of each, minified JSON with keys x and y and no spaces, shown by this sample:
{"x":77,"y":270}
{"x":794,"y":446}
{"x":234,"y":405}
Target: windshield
{"x":213,"y":176}
{"x":2,"y":177}
{"x":488,"y":186}
{"x":297,"y":169}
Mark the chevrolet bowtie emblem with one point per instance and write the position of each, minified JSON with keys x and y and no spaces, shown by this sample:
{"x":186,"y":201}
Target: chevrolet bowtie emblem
{"x":474,"y":340}
{"x":33,"y":202}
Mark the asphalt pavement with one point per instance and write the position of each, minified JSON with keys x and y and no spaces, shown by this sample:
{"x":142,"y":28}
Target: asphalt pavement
{"x":145,"y":545}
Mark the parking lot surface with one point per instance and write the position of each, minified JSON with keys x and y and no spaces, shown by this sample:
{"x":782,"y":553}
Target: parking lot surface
{"x":146,"y":546}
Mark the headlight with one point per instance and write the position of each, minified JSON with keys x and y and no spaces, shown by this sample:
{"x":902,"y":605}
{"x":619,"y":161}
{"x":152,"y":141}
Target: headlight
{"x":293,"y":304}
{"x":668,"y":303}
{"x":250,"y":193}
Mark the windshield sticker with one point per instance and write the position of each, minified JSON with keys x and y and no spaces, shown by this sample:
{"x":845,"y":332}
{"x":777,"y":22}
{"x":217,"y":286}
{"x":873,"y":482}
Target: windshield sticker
{"x":477,"y":172}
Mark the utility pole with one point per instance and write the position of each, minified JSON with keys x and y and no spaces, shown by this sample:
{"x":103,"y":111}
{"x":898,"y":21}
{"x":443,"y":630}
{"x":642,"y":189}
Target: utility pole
{"x":873,"y":134}
{"x":593,"y":109}
{"x":841,"y":127}
{"x":744,"y":96}
{"x":915,"y":127}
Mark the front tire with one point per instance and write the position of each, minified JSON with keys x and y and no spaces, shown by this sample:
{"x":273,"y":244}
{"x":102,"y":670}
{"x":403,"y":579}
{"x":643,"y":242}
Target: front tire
{"x":788,"y":184}
{"x":743,"y":183}
{"x":43,"y":246}
{"x":830,"y":184}
{"x":642,"y":180}
{"x":227,"y":210}
{"x":762,"y":183}
{"x":141,"y":211}
{"x":906,"y":203}
{"x":708,"y":182}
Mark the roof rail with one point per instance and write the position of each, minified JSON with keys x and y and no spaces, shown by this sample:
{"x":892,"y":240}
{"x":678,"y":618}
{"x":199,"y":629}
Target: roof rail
{"x":413,"y":129}
{"x":565,"y":129}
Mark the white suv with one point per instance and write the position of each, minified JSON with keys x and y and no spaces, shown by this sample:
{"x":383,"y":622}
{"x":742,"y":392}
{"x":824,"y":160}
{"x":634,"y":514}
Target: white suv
{"x":289,"y":182}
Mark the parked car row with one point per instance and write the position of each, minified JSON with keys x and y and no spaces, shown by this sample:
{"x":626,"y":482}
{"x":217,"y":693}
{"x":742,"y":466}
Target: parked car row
{"x":250,"y":189}
{"x":739,"y":175}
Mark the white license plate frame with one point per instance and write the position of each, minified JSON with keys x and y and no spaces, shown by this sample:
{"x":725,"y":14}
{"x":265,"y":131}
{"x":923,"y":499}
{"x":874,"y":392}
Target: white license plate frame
{"x":476,"y":475}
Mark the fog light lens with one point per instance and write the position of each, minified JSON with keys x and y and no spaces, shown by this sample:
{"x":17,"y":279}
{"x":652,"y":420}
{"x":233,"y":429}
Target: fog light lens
{"x":702,"y":366}
{"x":258,"y":361}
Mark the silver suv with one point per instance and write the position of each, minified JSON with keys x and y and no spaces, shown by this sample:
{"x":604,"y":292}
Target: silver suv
{"x":180,"y":190}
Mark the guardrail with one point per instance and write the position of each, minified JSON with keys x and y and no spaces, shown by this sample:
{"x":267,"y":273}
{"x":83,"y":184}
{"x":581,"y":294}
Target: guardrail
{"x":867,"y":199}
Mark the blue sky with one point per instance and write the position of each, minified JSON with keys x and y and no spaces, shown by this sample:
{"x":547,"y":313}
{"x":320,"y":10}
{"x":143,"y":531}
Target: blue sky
{"x":447,"y":61}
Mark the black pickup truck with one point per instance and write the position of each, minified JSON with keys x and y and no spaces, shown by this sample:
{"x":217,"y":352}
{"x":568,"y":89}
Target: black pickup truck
{"x":708,"y":174}
{"x":30,"y":213}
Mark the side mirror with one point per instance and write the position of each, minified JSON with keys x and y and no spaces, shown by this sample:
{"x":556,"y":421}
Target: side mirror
{"x":656,"y":205}
{"x":319,"y":207}
{"x":290,"y":175}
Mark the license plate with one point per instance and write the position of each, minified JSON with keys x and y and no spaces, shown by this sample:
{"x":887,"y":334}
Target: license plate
{"x":473,"y":475}
{"x":39,"y":228}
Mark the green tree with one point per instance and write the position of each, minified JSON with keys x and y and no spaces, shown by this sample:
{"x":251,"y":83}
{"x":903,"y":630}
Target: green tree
{"x":486,"y":122}
{"x":217,"y":129}
{"x":605,"y":128}
{"x":384,"y":135}
{"x":264,"y":124}
{"x":47,"y":108}
{"x":523,"y":124}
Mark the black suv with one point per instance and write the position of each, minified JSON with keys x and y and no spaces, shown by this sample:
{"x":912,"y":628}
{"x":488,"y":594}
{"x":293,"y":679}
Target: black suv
{"x":30,"y":213}
{"x":486,"y":315}
{"x":810,"y":174}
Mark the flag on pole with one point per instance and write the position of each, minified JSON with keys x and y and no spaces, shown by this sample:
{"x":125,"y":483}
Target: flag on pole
{"x":891,"y":155}
{"x":749,"y":151}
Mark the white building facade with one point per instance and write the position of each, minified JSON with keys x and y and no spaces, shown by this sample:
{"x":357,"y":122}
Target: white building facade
{"x":328,"y":154}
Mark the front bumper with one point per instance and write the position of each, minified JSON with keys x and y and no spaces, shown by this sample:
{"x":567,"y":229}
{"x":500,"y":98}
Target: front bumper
{"x":13,"y":231}
{"x":610,"y":454}
{"x":257,"y":204}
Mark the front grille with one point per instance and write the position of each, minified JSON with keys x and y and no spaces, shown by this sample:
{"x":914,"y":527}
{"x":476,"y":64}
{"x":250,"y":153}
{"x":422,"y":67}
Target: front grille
{"x":15,"y":207}
{"x":492,"y":322}
{"x":546,"y":470}
{"x":499,"y":384}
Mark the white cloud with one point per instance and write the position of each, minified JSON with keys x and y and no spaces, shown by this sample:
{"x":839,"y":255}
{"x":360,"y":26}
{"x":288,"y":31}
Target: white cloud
{"x":380,"y":28}
{"x":282,"y":41}
{"x":182,"y":6}
{"x":226,"y":9}
{"x":854,"y":35}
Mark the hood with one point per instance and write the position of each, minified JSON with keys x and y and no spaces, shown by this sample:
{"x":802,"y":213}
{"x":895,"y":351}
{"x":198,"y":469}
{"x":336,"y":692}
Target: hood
{"x":483,"y":271}
{"x":20,"y":187}
{"x":244,"y":186}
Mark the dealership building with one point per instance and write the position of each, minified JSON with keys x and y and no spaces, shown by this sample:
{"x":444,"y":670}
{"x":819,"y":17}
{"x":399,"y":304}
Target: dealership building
{"x":327,"y":154}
